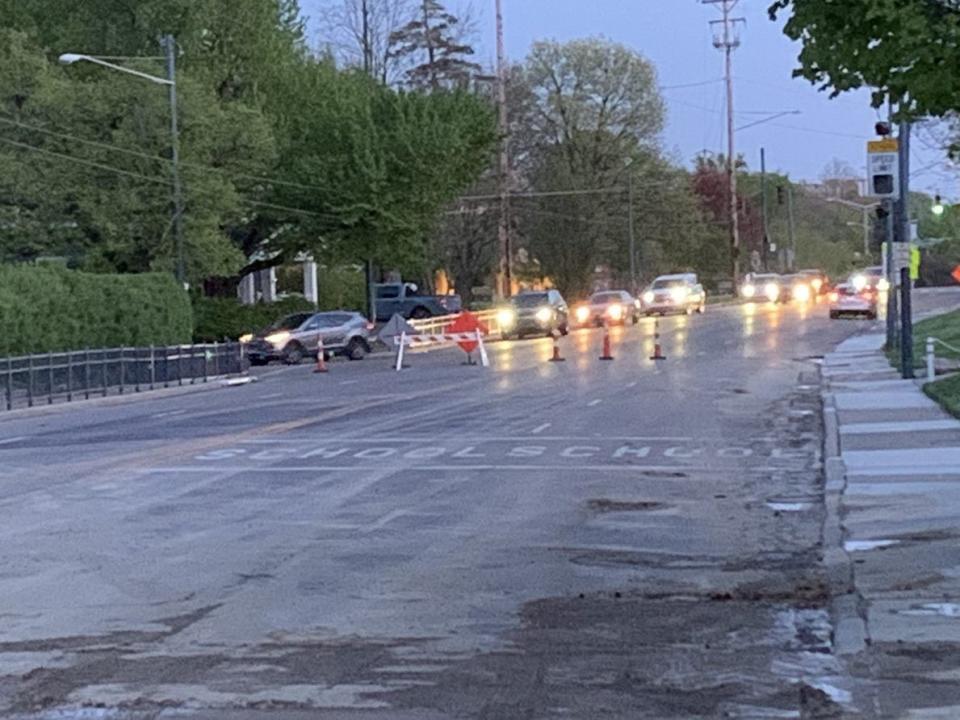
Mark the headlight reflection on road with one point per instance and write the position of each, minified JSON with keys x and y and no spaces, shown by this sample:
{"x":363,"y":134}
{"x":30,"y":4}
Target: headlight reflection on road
{"x":749,"y":319}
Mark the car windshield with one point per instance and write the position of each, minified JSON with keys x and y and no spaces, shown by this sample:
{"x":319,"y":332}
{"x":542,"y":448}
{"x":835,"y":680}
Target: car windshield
{"x":606,"y":297}
{"x":290,"y":322}
{"x":529,"y":300}
{"x":667,"y":284}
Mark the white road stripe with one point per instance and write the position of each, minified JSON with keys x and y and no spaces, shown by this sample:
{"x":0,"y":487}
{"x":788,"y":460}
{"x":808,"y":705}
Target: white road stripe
{"x":171,"y":413}
{"x":210,"y":469}
{"x":594,"y":403}
{"x":461,"y":438}
{"x":10,"y":441}
{"x":271,"y":396}
{"x":349,"y":382}
{"x":540,"y":428}
{"x":632,"y":384}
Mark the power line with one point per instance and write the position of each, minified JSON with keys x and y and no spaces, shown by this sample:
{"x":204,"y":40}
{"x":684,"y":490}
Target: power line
{"x":159,"y":158}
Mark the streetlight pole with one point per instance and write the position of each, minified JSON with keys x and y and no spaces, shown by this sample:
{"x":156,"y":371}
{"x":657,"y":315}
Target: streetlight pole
{"x":169,"y":46}
{"x":503,"y":175}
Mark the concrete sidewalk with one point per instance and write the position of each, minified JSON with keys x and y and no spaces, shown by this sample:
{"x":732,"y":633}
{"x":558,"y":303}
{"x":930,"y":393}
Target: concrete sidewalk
{"x":893,"y":501}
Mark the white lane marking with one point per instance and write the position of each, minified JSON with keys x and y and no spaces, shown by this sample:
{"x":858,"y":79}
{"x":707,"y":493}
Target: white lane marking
{"x":540,"y":428}
{"x":271,"y":396}
{"x":10,"y":441}
{"x":465,"y":438}
{"x":170,"y":413}
{"x":349,"y":382}
{"x":632,"y":384}
{"x":207,"y":469}
{"x":594,"y":403}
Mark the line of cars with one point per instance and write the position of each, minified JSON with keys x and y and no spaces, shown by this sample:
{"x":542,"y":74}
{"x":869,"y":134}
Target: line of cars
{"x":857,"y":296}
{"x":544,"y":312}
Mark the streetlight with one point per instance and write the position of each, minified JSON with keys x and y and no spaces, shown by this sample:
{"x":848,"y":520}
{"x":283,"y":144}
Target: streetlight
{"x":865,"y":209}
{"x":169,"y":46}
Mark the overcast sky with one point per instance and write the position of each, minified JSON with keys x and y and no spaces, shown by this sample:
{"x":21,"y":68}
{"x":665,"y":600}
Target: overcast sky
{"x":676,"y":36}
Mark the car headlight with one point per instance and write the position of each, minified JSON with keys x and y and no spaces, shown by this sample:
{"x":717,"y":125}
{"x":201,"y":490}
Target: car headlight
{"x":244,"y":339}
{"x":583,"y":314}
{"x":506,"y":318}
{"x":817,"y":284}
{"x":649,"y":297}
{"x":748,"y":290}
{"x":278,"y":339}
{"x":859,"y":282}
{"x":772,"y":291}
{"x":544,"y":315}
{"x":679,"y":294}
{"x":801,"y":293}
{"x":615,"y":312}
{"x":883,"y":285}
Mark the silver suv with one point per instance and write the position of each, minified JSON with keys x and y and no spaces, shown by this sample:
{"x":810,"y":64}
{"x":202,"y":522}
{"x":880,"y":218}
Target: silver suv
{"x":295,"y":337}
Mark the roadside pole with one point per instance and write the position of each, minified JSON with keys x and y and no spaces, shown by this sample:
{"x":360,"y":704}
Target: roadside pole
{"x":891,"y":291}
{"x":763,"y":208}
{"x":792,"y":259}
{"x":903,"y":273}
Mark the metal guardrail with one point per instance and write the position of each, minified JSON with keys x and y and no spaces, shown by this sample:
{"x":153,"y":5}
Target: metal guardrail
{"x":932,"y":343}
{"x":45,"y":379}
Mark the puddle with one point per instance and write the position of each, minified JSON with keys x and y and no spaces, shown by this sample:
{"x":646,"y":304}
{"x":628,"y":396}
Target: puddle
{"x":941,"y":609}
{"x":861,"y":545}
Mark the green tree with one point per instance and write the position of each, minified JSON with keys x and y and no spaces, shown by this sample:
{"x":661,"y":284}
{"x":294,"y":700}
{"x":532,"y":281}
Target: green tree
{"x":904,"y":50}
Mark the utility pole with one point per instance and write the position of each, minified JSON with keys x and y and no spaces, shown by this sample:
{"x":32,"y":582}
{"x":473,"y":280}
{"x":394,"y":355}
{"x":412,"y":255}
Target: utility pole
{"x":633,"y":245}
{"x":727,"y":39}
{"x":170,"y":49}
{"x":792,"y":258}
{"x":503,"y":176}
{"x":763,"y":208}
{"x":367,"y":40}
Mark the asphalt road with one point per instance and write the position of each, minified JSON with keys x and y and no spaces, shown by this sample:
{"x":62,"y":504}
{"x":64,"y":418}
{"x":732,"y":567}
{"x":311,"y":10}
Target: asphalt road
{"x":585,"y":539}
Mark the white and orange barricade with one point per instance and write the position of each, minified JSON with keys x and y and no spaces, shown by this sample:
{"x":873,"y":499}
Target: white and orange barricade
{"x":466,"y":340}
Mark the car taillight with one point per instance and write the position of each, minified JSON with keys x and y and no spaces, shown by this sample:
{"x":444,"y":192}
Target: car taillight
{"x":834,"y":297}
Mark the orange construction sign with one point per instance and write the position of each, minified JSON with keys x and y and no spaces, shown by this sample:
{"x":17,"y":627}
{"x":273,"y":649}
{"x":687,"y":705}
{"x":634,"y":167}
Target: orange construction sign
{"x":466,"y":322}
{"x":956,"y":273}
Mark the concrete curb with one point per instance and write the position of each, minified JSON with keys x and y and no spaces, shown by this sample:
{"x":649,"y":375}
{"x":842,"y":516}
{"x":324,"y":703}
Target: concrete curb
{"x":849,"y":633}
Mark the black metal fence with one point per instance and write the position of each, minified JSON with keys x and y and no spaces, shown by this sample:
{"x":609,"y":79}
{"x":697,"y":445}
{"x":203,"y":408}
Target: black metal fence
{"x":64,"y":377}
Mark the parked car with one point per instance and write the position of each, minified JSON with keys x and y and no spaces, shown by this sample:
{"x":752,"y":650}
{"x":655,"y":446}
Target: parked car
{"x":405,"y":299}
{"x":760,"y":287}
{"x":845,"y":299}
{"x":295,"y":337}
{"x":609,"y":306}
{"x":674,"y":293}
{"x":534,"y":313}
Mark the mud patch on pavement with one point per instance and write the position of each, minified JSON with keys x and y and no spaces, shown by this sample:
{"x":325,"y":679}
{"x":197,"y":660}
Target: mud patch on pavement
{"x":606,"y":505}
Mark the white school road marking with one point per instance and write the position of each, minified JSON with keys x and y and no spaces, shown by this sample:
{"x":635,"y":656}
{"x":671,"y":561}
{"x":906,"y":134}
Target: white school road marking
{"x":540,"y":428}
{"x":465,"y":439}
{"x":207,"y":469}
{"x":10,"y":441}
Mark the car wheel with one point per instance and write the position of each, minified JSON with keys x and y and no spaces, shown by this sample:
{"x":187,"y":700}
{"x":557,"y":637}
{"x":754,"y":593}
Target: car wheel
{"x":834,"y":315}
{"x":564,"y":329}
{"x":702,"y":309}
{"x":356,"y":349}
{"x":293,"y":354}
{"x":871,"y":316}
{"x":420,"y":313}
{"x":636,"y":318}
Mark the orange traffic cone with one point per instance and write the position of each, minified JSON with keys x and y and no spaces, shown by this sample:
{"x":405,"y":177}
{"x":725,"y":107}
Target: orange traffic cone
{"x":657,"y":350}
{"x":321,"y":360}
{"x":556,"y":348}
{"x":607,"y":355}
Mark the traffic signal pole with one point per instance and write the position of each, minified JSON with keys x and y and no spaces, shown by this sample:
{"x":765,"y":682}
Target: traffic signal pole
{"x":903,"y":222}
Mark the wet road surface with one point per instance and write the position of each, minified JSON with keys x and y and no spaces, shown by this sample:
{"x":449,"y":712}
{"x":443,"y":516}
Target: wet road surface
{"x":583,"y":539}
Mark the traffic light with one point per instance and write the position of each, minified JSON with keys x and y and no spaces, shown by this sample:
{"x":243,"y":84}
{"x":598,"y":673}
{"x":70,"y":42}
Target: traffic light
{"x":780,"y":194}
{"x":938,"y":207}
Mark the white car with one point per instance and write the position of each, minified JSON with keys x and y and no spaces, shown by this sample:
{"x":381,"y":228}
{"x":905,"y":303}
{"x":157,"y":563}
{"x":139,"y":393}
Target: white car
{"x":845,"y":299}
{"x":674,"y":293}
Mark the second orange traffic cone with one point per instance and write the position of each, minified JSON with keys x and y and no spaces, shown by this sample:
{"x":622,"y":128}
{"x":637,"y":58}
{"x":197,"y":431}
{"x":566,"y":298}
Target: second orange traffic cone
{"x":321,"y":360}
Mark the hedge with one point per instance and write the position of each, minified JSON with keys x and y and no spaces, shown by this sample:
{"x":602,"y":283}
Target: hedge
{"x":44,"y":308}
{"x":227,"y":319}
